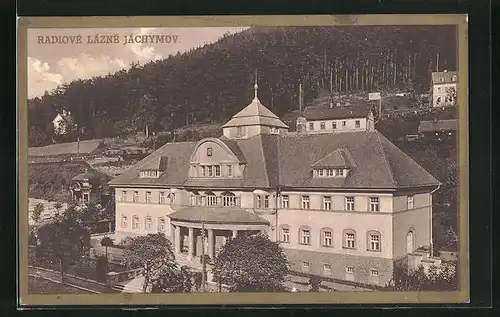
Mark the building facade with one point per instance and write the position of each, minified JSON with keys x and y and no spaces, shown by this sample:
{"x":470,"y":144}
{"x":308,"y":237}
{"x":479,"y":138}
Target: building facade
{"x":443,"y":88}
{"x":343,"y":205}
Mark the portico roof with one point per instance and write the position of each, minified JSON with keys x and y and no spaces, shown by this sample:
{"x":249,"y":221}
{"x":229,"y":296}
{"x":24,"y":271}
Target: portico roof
{"x":217,"y":215}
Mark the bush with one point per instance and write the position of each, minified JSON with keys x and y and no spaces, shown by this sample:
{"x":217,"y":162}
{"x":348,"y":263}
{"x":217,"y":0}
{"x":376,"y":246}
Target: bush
{"x":101,"y":268}
{"x":315,"y":282}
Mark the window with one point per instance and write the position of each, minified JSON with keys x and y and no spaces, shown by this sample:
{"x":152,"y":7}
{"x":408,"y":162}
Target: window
{"x":305,"y":236}
{"x":161,"y":197}
{"x":410,"y":244}
{"x":285,"y":201}
{"x":209,"y":151}
{"x":161,"y":224}
{"x":148,"y":197}
{"x":349,"y":239}
{"x":327,"y":203}
{"x":239,"y":132}
{"x":259,"y":202}
{"x":349,"y":269}
{"x":327,"y":269}
{"x":285,"y":234}
{"x":172,"y":198}
{"x":124,"y":195}
{"x":339,"y":172}
{"x":320,"y":172}
{"x":330,"y":172}
{"x":334,"y":125}
{"x":322,"y":125}
{"x":266,"y":201}
{"x":148,"y":222}
{"x":203,"y":171}
{"x":374,"y":204}
{"x":135,"y":222}
{"x":311,"y":126}
{"x":124,"y":222}
{"x":217,"y":170}
{"x":373,"y":273}
{"x":306,"y":266}
{"x":211,"y":199}
{"x":349,"y":273}
{"x":357,"y":124}
{"x":410,"y":202}
{"x":229,"y":170}
{"x":210,"y":171}
{"x":305,"y":202}
{"x":343,"y":123}
{"x":86,"y":198}
{"x":228,"y":199}
{"x":349,"y":203}
{"x":373,"y":241}
{"x":326,"y":239}
{"x":136,"y":197}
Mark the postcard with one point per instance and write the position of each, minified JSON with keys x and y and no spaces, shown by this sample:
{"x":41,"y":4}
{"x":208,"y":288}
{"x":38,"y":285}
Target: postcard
{"x":243,"y":160}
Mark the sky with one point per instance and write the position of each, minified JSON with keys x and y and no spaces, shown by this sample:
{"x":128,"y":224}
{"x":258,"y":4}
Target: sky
{"x":51,"y":64}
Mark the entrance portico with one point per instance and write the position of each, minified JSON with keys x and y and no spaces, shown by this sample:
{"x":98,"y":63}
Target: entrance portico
{"x":220,"y":225}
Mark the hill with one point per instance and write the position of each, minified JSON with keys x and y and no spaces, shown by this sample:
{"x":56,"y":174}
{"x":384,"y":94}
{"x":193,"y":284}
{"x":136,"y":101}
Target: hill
{"x":210,"y":83}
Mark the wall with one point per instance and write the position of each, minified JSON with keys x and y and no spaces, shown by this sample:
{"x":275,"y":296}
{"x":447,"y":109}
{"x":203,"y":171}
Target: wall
{"x":339,"y":263}
{"x":419,"y":200}
{"x":439,"y":90}
{"x":338,"y":221}
{"x":417,"y":220}
{"x":350,"y":126}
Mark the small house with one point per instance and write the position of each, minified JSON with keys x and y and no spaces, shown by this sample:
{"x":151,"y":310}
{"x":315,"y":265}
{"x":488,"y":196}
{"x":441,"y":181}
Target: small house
{"x":86,"y":187}
{"x":62,"y":122}
{"x":437,"y":129}
{"x":443,"y":88}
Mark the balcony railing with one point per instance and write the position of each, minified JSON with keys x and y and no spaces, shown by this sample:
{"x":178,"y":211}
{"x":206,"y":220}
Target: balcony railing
{"x":215,"y":201}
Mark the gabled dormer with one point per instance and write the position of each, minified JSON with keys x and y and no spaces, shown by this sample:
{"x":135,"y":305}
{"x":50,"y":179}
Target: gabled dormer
{"x":216,"y":158}
{"x":337,"y":164}
{"x":254,"y":119}
{"x":154,"y":168}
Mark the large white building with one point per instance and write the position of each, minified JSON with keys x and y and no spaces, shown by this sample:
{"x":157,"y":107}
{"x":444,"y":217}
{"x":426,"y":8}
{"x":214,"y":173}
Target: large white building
{"x":344,"y":205}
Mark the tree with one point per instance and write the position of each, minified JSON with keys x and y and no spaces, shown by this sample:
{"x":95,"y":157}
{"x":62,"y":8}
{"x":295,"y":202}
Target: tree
{"x":173,"y":281}
{"x":154,"y":254}
{"x":32,"y":238}
{"x":436,"y":278}
{"x":107,"y":242}
{"x":451,"y":239}
{"x":451,"y":95}
{"x":64,"y":239}
{"x":315,"y":282}
{"x":37,"y":212}
{"x":251,"y":263}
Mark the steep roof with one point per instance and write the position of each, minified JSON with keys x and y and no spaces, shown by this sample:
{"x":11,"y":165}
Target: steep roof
{"x":447,"y":77}
{"x":438,"y":125}
{"x":255,"y":114}
{"x":288,"y":159}
{"x":324,"y":112}
{"x":159,"y":164}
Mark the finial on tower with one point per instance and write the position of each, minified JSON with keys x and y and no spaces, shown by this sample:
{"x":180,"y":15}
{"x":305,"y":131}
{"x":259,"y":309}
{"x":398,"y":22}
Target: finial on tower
{"x":255,"y":87}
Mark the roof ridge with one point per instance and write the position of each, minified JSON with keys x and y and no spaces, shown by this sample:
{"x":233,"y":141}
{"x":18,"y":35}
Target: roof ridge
{"x":384,"y":156}
{"x":261,"y":142}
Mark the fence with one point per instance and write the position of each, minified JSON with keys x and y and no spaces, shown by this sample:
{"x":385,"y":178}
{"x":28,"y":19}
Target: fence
{"x":115,"y":278}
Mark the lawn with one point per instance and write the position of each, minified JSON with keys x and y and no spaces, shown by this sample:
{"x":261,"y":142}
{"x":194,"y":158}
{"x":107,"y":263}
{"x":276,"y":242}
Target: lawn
{"x":37,"y":285}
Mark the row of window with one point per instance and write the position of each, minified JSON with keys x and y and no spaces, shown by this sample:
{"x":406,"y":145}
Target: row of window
{"x":327,"y":203}
{"x":162,"y":198}
{"x":374,"y":238}
{"x":150,"y":174}
{"x":322,"y":125}
{"x":327,"y":268}
{"x":227,"y":199}
{"x":148,"y":223}
{"x":330,"y":172}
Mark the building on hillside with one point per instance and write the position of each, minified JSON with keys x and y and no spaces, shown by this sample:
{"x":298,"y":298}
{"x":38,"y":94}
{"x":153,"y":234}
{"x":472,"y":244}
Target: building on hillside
{"x":344,"y":206}
{"x":62,"y":122}
{"x":336,"y":118}
{"x":437,"y":129}
{"x":86,"y":187}
{"x":443,"y":88}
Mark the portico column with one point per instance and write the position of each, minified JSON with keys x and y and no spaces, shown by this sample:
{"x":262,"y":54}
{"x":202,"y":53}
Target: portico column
{"x":235,"y":233}
{"x":211,"y":243}
{"x":191,"y":243}
{"x":177,"y":239}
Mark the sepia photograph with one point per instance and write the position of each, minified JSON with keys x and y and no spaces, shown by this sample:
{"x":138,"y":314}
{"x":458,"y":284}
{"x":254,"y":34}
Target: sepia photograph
{"x":295,"y":160}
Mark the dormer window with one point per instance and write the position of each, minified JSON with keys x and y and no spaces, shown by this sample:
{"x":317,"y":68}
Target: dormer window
{"x":330,"y":172}
{"x":150,"y":173}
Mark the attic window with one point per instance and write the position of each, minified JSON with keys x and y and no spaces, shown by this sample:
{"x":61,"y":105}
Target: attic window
{"x":150,"y":174}
{"x":330,"y":172}
{"x":209,"y":151}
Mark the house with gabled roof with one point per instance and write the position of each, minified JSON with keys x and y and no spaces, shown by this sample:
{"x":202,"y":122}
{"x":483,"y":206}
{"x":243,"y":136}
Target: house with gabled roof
{"x":344,"y":206}
{"x":443,"y":88}
{"x":62,"y":122}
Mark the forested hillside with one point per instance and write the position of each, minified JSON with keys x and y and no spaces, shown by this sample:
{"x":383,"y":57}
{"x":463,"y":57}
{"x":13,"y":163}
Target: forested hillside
{"x":213,"y":82}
